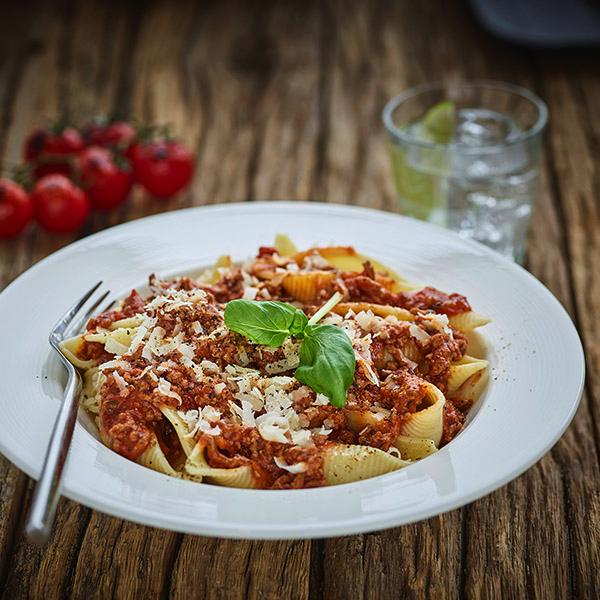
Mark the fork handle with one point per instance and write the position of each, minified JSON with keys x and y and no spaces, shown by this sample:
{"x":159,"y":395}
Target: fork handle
{"x":46,"y":494}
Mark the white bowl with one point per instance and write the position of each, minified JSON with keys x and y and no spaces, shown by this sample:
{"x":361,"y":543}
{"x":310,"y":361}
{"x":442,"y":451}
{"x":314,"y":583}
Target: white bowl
{"x":535,"y":385}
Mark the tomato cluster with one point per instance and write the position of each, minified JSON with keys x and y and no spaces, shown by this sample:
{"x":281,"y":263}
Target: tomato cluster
{"x":71,"y":171}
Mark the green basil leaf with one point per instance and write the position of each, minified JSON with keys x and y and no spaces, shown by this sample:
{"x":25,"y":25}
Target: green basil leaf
{"x":327,"y":362}
{"x":267,"y":323}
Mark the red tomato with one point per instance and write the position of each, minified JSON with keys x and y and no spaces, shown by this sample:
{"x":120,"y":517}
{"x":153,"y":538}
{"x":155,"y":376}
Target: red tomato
{"x":162,"y":167}
{"x":15,"y":208}
{"x":106,"y":184}
{"x":58,"y":204}
{"x":119,"y":133}
{"x":51,"y":151}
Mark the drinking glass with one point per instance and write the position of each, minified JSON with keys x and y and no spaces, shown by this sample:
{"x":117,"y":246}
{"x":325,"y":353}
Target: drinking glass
{"x":467,"y":156}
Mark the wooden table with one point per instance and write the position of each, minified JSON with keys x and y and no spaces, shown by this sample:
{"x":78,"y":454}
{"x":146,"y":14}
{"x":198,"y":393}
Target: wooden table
{"x":284,"y":101}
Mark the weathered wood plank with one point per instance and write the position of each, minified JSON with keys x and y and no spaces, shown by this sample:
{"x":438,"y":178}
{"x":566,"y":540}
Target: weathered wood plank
{"x":47,"y":573}
{"x":206,"y":82}
{"x":35,"y":50}
{"x":12,"y":487}
{"x":240,"y":569}
{"x":414,"y":561}
{"x":118,"y":559}
{"x":573,"y":140}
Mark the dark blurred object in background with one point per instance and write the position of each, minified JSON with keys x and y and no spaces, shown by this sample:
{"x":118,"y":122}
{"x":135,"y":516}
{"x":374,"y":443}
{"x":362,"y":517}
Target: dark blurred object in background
{"x":547,"y":23}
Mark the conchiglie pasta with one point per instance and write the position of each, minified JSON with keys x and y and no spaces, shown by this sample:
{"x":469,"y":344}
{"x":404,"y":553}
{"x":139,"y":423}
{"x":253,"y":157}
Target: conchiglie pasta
{"x":468,"y":321}
{"x":346,"y":258}
{"x":181,"y":429}
{"x":306,"y":287}
{"x":414,"y":448}
{"x":154,"y":458}
{"x":213,"y":274}
{"x":284,"y":245}
{"x":427,"y":423}
{"x":473,"y":387}
{"x":357,"y":420}
{"x":348,"y":463}
{"x":197,"y":467}
{"x":71,"y":348}
{"x":463,"y":370}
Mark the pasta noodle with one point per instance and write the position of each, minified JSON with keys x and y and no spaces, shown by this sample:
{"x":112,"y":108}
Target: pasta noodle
{"x":464,"y":370}
{"x":307,"y":287}
{"x":239,"y":477}
{"x":345,"y":464}
{"x":153,"y":458}
{"x":468,"y":321}
{"x":427,"y":423}
{"x":412,"y":448}
{"x":176,"y":388}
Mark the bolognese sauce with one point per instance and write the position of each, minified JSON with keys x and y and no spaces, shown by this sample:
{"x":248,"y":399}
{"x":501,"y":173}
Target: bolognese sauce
{"x":240,"y":401}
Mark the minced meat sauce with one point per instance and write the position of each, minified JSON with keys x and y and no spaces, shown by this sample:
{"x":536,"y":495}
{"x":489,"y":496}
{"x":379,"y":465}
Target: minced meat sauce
{"x":130,"y":418}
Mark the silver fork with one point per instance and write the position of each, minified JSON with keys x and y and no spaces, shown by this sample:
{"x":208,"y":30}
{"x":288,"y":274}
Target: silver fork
{"x":47,"y":491}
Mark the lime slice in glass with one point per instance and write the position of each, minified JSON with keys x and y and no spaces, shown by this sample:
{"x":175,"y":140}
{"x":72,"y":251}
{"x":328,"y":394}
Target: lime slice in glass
{"x":421,"y":171}
{"x":439,"y":122}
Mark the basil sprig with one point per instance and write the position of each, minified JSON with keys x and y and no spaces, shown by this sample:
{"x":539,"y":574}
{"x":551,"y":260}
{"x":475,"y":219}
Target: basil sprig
{"x":327,"y":358}
{"x":267,"y":323}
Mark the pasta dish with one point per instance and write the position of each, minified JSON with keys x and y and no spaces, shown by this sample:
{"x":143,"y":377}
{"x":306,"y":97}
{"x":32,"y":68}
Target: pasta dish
{"x":294,"y":369}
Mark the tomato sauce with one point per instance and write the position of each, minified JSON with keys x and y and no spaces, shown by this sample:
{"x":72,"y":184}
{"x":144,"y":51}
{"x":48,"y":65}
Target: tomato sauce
{"x":453,"y":422}
{"x":431,"y":299}
{"x":239,"y":446}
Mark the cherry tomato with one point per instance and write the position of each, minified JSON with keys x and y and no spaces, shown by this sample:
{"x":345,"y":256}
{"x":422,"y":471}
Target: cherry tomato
{"x":106,"y":183}
{"x":15,"y":208}
{"x":119,"y":134}
{"x":163,"y":167}
{"x":58,"y":204}
{"x":52,"y":150}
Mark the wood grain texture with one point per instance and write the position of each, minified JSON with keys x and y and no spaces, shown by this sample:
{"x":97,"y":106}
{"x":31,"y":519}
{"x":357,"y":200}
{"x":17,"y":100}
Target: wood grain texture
{"x":283,"y":100}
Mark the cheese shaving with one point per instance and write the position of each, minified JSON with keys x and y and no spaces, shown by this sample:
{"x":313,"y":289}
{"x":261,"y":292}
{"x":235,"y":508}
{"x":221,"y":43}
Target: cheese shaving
{"x":121,"y":383}
{"x":164,"y":388}
{"x":295,"y":469}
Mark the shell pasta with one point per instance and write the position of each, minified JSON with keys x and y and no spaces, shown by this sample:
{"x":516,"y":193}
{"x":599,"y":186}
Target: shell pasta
{"x":175,"y":387}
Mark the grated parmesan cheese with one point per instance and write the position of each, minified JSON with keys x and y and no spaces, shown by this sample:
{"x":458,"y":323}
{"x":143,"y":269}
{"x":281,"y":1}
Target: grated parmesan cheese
{"x":245,"y":413}
{"x":137,"y":339}
{"x":121,"y":383}
{"x":208,"y":365}
{"x":164,"y":388}
{"x":439,"y":322}
{"x":250,"y":293}
{"x":200,"y":420}
{"x":302,"y":437}
{"x":113,"y":364}
{"x":368,"y":321}
{"x":295,"y":469}
{"x":114,"y":347}
{"x":273,"y":428}
{"x":320,"y":400}
{"x":419,"y":334}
